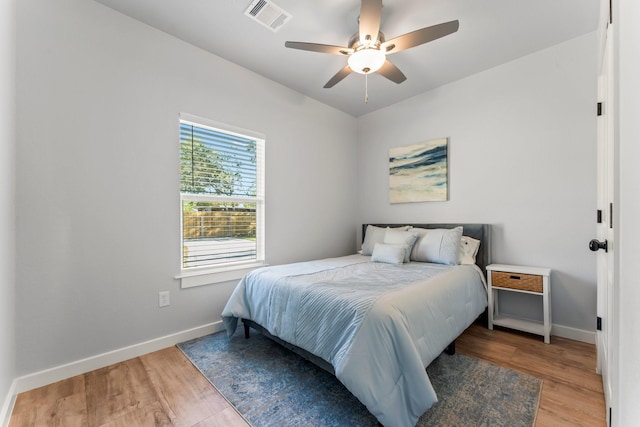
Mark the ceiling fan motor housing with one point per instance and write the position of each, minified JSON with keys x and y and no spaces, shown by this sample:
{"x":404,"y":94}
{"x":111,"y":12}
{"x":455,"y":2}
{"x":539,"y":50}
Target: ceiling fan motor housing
{"x":356,"y":44}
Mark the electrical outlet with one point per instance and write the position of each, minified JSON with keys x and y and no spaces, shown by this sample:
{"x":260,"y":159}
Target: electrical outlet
{"x":163,"y":299}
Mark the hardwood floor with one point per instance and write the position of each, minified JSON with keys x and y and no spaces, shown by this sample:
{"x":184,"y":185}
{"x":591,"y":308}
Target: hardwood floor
{"x":164,"y":389}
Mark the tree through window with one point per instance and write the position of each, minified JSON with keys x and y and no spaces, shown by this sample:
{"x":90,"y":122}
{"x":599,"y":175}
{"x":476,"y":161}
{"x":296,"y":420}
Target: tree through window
{"x":221,"y":191}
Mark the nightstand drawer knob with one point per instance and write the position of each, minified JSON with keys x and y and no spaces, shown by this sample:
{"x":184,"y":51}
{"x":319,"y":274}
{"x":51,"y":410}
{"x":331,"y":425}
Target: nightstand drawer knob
{"x":514,"y":277}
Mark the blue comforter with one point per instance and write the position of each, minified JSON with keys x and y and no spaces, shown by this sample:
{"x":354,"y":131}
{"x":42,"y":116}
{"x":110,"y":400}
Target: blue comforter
{"x":379,"y":325}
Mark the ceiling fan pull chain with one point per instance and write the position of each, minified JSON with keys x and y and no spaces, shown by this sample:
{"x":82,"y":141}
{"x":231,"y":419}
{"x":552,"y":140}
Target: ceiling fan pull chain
{"x":366,"y":88}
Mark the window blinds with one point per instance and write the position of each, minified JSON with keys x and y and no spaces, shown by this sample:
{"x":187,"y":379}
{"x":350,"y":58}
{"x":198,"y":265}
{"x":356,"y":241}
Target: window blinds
{"x":213,"y":162}
{"x":221,"y":193}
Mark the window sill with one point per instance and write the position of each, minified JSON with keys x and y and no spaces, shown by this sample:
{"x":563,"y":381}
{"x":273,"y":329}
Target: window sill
{"x":190,"y":279}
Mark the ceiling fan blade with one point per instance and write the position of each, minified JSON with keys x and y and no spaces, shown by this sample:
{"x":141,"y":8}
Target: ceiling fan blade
{"x":322,"y":48}
{"x":392,"y":72}
{"x":419,"y":37}
{"x":370,"y":14}
{"x":338,"y":77}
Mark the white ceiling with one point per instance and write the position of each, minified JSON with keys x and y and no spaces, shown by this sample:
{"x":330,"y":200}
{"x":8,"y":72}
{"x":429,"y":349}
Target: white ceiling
{"x":491,"y":33}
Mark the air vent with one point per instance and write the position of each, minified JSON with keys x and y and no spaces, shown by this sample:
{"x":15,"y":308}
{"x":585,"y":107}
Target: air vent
{"x":268,"y":14}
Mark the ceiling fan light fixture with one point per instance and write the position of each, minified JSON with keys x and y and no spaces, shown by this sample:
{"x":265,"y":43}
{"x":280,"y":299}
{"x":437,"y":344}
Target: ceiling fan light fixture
{"x":368,"y":60}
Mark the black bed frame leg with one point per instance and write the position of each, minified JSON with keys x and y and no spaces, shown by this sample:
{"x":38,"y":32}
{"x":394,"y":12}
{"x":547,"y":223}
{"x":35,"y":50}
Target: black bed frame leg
{"x":451,"y":349}
{"x":246,"y":330}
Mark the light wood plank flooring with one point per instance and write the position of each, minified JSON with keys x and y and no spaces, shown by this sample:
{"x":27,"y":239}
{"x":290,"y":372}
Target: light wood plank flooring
{"x":164,"y":389}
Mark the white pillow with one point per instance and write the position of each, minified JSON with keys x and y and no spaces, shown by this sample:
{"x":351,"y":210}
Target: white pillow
{"x":390,"y":254}
{"x":468,"y":250}
{"x":399,"y":237}
{"x":374,"y":235}
{"x":437,"y":245}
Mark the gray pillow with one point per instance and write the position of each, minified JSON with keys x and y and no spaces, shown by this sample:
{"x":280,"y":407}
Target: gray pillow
{"x":437,"y":245}
{"x":390,"y":254}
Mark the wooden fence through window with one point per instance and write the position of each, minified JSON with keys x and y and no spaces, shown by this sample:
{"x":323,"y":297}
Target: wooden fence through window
{"x":238,"y":223}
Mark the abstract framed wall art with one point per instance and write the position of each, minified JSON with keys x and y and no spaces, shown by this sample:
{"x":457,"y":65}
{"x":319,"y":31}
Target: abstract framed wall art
{"x":419,"y":172}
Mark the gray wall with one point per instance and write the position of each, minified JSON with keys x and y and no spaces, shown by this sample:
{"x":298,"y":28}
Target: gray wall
{"x":7,"y":195}
{"x":97,"y":177}
{"x":522,"y":140}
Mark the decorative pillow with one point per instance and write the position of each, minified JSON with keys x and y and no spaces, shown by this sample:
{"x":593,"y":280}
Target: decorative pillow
{"x":374,"y":235}
{"x":468,"y":250}
{"x":437,"y":245}
{"x":399,"y":237}
{"x":390,"y":254}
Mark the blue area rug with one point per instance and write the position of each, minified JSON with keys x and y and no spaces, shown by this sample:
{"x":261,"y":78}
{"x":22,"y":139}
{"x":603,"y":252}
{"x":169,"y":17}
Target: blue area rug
{"x":272,"y":386}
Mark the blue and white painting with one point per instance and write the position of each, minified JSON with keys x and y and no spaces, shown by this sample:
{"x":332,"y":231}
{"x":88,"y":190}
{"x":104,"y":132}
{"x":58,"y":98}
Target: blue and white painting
{"x":419,"y":172}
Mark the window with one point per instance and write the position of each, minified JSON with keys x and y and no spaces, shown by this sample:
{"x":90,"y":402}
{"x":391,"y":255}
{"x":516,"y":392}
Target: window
{"x":222,"y":196}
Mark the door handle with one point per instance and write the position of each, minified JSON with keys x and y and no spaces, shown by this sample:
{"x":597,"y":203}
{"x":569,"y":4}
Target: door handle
{"x":595,"y":244}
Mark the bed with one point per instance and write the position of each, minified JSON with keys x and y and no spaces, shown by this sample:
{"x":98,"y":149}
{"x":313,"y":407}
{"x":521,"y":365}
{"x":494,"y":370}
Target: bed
{"x":377,"y":318}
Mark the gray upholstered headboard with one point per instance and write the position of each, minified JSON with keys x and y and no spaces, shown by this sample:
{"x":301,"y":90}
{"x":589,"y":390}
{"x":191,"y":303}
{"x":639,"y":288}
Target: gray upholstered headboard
{"x":480,"y":232}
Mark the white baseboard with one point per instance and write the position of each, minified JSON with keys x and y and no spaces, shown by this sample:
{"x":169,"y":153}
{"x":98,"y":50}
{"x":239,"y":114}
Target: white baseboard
{"x":7,"y":406}
{"x":573,"y":333}
{"x":49,"y":376}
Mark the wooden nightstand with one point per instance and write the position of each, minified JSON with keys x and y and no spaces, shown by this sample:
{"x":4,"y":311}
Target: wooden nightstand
{"x":528,"y":280}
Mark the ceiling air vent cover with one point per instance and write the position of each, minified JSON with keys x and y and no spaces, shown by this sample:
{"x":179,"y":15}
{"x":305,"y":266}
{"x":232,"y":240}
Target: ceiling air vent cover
{"x":268,"y":14}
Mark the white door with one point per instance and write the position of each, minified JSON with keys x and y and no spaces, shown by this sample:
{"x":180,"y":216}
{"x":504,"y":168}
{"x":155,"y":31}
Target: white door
{"x":605,"y":227}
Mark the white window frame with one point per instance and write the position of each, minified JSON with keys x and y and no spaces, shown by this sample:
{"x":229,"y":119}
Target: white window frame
{"x":224,"y":272}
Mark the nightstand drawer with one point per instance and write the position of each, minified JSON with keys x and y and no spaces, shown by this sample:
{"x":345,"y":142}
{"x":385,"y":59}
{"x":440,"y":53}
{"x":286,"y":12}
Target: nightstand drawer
{"x":523,"y":282}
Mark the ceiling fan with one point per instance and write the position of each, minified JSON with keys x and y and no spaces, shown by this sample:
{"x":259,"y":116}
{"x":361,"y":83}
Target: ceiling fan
{"x":367,"y":49}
